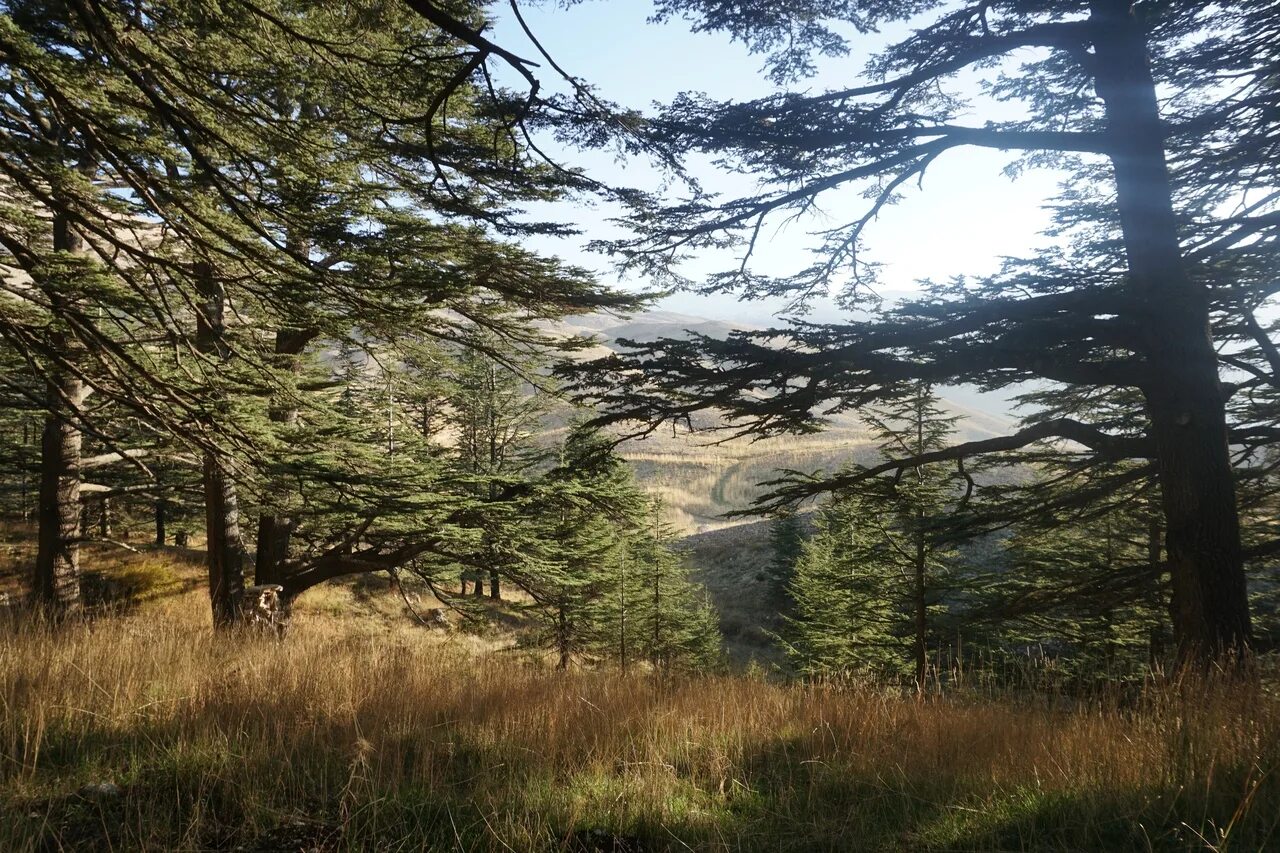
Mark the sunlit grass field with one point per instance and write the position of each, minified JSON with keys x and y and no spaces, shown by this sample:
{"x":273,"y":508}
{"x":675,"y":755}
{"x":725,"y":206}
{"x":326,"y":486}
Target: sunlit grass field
{"x":364,"y":731}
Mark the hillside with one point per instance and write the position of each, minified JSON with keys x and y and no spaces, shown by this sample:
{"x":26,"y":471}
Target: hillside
{"x":142,"y":729}
{"x":700,"y":480}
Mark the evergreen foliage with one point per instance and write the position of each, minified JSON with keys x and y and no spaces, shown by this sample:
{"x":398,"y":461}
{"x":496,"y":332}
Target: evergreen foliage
{"x":610,"y":584}
{"x":251,"y":186}
{"x":873,"y":582}
{"x":1132,"y":100}
{"x":657,"y":613}
{"x":786,"y":539}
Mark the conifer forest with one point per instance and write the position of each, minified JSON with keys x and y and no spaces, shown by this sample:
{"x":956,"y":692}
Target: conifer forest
{"x":614,"y":425}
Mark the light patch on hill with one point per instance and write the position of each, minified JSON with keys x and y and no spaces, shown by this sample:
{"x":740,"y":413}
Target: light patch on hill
{"x":701,"y":480}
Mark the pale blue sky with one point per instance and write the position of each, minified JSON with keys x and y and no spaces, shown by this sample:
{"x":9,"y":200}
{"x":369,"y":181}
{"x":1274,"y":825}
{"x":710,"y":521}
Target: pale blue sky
{"x":968,"y":215}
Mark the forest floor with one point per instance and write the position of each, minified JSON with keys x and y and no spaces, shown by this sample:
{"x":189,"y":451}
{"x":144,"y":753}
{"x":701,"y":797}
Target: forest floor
{"x":139,"y":729}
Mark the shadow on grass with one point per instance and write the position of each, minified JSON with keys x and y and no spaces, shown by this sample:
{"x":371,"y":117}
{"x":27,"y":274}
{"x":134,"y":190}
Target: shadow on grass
{"x":790,"y":803}
{"x":451,"y":784}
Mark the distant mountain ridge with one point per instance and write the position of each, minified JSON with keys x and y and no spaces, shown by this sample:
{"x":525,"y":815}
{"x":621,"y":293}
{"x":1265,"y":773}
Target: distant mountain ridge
{"x":700,"y":479}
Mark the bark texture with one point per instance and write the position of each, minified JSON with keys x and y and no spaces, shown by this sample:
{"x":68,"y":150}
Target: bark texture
{"x":56,"y":584}
{"x":1183,"y":393}
{"x":226,"y":555}
{"x":275,"y":531}
{"x":56,"y":578}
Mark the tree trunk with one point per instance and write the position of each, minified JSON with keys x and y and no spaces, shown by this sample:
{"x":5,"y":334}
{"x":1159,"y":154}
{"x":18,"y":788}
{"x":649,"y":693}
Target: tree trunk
{"x":56,"y":584}
{"x":920,"y":562}
{"x":495,"y":585}
{"x":562,"y":638}
{"x":275,"y":531}
{"x":1155,"y":642}
{"x":104,"y":518}
{"x":622,"y":614}
{"x":26,"y":442}
{"x":1182,"y":388}
{"x":225,"y":555}
{"x":921,"y":606}
{"x":160,"y":520}
{"x":56,"y":581}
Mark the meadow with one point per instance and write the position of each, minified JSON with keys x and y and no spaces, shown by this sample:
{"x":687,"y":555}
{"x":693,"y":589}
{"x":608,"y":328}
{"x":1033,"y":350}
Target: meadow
{"x":363,"y":730}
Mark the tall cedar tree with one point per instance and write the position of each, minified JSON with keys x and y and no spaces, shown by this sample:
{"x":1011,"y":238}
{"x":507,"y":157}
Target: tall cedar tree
{"x":786,"y":538}
{"x":652,"y":610}
{"x":494,"y":419}
{"x":844,"y":619}
{"x":220,"y":123}
{"x":606,"y":581}
{"x":1170,"y":105}
{"x":584,"y":500}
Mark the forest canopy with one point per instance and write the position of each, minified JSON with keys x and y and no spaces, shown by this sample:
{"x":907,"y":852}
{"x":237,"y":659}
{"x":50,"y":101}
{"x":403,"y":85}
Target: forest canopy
{"x":364,"y":485}
{"x":273,"y":263}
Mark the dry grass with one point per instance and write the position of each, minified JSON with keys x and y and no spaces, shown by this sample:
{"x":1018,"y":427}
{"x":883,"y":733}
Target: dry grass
{"x":365,"y":732}
{"x":699,"y":483}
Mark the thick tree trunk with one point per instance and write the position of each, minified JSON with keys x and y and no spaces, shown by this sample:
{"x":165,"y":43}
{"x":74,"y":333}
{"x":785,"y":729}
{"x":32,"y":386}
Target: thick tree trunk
{"x":56,"y":581}
{"x":225,"y":554}
{"x":160,"y":521}
{"x":275,"y":531}
{"x":1182,"y":390}
{"x":495,"y":585}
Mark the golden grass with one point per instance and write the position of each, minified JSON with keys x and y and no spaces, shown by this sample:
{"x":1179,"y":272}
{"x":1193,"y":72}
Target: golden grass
{"x":374,"y":734}
{"x":370,"y":733}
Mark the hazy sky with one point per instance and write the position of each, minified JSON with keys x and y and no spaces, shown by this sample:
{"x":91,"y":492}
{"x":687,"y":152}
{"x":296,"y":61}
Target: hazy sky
{"x":968,"y":215}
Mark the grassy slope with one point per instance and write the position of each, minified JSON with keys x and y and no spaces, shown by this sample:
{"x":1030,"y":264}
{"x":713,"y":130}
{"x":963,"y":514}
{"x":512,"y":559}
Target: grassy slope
{"x":363,"y":731}
{"x":700,"y":480}
{"x":734,"y":565}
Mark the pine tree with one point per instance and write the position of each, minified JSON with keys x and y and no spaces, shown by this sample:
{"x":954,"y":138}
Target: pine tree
{"x":652,"y":610}
{"x":884,"y":550}
{"x":494,"y":418}
{"x":786,"y":539}
{"x":581,"y":503}
{"x":1148,"y":257}
{"x":607,"y":583}
{"x":847,"y":616}
{"x":202,"y":161}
